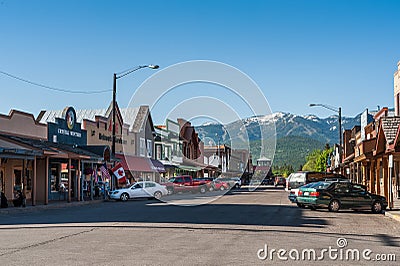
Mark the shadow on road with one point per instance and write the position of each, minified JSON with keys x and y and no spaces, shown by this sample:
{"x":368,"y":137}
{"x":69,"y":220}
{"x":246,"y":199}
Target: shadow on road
{"x":156,"y":212}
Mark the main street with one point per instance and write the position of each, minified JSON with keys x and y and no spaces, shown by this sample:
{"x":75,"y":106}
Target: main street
{"x":229,"y":230}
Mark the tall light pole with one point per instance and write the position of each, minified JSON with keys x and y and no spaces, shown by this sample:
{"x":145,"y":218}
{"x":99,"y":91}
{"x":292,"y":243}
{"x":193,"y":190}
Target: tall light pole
{"x":218,"y":152}
{"x":118,"y":76}
{"x":339,"y":111}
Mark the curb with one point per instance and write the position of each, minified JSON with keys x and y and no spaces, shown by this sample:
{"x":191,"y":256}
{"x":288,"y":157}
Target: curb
{"x":13,"y":210}
{"x":393,"y":216}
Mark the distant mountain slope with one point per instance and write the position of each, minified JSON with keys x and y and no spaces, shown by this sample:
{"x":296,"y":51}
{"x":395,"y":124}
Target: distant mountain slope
{"x":296,"y":135}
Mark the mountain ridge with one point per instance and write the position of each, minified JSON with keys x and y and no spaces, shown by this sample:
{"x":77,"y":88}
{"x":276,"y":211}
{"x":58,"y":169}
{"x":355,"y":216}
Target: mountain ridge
{"x":284,"y":126}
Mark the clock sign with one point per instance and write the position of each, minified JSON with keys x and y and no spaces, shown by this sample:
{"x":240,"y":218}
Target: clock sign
{"x":70,"y":118}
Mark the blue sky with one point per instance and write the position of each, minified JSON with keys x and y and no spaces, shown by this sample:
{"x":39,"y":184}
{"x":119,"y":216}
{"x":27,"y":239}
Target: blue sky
{"x":342,"y":53}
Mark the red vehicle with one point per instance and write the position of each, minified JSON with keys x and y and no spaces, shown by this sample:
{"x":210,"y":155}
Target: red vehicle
{"x":185,"y":184}
{"x":219,"y":185}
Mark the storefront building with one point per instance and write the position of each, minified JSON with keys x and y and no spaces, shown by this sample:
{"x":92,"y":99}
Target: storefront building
{"x":134,"y":144}
{"x":22,"y":167}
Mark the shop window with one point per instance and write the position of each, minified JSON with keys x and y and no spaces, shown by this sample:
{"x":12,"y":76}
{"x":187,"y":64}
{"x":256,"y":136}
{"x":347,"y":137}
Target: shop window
{"x":17,"y":179}
{"x":54,"y":180}
{"x":29,"y":174}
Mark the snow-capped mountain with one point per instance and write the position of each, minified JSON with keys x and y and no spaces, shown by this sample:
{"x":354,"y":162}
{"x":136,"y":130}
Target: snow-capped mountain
{"x":324,"y":130}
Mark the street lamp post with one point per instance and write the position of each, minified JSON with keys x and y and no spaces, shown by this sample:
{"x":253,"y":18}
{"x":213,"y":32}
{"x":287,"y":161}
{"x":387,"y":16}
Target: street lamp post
{"x":118,"y":76}
{"x":339,"y":111}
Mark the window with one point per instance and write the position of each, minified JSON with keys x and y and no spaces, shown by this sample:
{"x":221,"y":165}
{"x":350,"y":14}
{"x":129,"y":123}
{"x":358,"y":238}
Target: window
{"x":17,"y":179}
{"x":159,"y":152}
{"x":358,"y":189}
{"x":149,"y":148}
{"x":167,"y":153}
{"x":178,"y":180}
{"x":342,"y":188}
{"x":138,"y":185}
{"x":149,"y":184}
{"x":142,"y":147}
{"x":187,"y":179}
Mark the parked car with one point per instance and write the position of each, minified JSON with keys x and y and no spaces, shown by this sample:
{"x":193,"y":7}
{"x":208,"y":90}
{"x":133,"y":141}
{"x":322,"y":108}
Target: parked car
{"x":207,"y":180}
{"x":268,"y":181}
{"x":233,"y":182}
{"x":294,"y":192}
{"x":299,"y":179}
{"x":219,"y":185}
{"x":143,"y":189}
{"x":280,"y":181}
{"x":340,"y":195}
{"x":186,"y":184}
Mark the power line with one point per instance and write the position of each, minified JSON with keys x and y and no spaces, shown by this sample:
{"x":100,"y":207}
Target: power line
{"x":52,"y":88}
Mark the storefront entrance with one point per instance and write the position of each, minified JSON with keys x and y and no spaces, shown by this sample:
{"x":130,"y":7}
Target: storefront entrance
{"x":58,"y":181}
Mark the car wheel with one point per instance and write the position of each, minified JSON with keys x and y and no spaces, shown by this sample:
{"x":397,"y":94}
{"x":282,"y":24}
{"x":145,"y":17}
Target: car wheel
{"x":300,"y":205}
{"x":237,"y":186}
{"x":202,"y":189}
{"x":170,"y":191}
{"x":157,"y":195}
{"x":312,"y":208}
{"x":334,"y":206}
{"x":377,"y":207}
{"x":124,"y":197}
{"x":222,"y":188}
{"x":211,"y":188}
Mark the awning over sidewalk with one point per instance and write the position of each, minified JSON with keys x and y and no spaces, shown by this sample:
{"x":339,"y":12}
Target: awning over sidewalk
{"x":157,"y":165}
{"x":135,"y":163}
{"x":189,"y":168}
{"x":13,"y":151}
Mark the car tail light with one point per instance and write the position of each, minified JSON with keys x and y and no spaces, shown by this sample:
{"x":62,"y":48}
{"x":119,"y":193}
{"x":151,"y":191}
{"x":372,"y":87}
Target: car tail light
{"x":300,"y":193}
{"x":314,"y":194}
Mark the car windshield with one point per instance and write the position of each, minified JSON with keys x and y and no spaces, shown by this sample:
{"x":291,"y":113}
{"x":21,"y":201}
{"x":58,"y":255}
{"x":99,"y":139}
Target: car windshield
{"x":171,"y":179}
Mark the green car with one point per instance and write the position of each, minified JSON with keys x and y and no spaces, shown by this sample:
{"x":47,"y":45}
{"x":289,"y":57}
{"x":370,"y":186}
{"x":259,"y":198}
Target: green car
{"x":340,"y":195}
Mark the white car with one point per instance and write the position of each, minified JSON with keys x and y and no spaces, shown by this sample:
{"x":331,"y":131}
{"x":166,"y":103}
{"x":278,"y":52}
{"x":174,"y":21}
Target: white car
{"x":143,"y":189}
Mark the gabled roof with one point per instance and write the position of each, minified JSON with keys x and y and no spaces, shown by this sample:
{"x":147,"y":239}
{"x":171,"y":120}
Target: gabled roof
{"x":387,"y":132}
{"x":389,"y":127}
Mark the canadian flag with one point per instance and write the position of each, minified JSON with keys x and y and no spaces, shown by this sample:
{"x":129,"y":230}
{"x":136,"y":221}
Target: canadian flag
{"x":119,"y":172}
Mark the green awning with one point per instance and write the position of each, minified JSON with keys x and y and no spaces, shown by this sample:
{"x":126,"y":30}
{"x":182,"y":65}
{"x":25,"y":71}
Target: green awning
{"x":189,"y":168}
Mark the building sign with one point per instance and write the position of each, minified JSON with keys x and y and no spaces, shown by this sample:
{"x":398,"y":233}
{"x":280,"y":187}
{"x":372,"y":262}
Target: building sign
{"x":66,"y":130}
{"x":364,"y":123}
{"x":109,"y":139}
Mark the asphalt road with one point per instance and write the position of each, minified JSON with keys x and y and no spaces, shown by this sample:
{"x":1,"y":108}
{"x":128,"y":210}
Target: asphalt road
{"x":234,"y":229}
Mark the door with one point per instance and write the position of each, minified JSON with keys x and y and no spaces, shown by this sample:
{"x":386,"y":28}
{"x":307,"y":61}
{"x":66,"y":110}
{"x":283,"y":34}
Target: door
{"x":360,"y":196}
{"x":149,"y":188}
{"x":342,"y":192}
{"x":137,"y":191}
{"x":187,"y":182}
{"x":179,"y":184}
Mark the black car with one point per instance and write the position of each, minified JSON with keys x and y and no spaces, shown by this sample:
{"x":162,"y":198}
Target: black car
{"x":340,"y":195}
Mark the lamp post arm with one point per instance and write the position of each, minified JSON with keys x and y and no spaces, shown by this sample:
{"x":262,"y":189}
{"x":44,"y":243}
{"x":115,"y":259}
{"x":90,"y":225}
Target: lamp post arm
{"x":325,"y":106}
{"x":127,"y":72}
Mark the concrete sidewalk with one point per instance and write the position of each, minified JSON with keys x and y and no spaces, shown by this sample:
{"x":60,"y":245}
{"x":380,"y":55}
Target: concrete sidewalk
{"x":394,"y":214}
{"x":51,"y":205}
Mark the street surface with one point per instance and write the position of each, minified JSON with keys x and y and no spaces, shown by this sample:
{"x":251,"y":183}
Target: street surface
{"x":228,"y":231}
